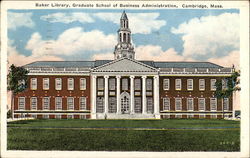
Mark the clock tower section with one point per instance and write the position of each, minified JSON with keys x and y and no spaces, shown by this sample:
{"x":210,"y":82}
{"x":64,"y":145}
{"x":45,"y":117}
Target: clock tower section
{"x":124,"y":47}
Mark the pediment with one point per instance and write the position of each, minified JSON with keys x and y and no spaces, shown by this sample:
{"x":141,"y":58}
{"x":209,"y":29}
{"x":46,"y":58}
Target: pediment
{"x":124,"y":65}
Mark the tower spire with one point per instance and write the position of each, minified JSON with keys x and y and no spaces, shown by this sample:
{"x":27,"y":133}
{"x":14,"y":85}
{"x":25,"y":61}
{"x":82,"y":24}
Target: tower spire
{"x":124,"y":47}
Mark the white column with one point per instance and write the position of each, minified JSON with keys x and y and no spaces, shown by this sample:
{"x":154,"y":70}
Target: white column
{"x":144,"y":105}
{"x":93,"y":97}
{"x":132,"y":98}
{"x":156,"y":96}
{"x":106,"y":94}
{"x":118,"y":93}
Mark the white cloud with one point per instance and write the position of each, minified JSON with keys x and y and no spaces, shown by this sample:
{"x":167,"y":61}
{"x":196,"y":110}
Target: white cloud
{"x":210,"y":35}
{"x":153,"y":52}
{"x":143,"y":23}
{"x":68,"y":17}
{"x":233,"y":58}
{"x":148,"y":52}
{"x":14,"y":57}
{"x":71,"y":41}
{"x":16,"y":20}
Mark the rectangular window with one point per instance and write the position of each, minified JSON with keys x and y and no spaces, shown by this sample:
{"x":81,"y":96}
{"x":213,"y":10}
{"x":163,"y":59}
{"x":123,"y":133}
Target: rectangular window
{"x":83,"y":117}
{"x":190,"y":115}
{"x":166,"y":103}
{"x":112,"y":84}
{"x":124,"y":84}
{"x":190,"y":104}
{"x":213,"y":86}
{"x":34,"y":116}
{"x":45,"y":83}
{"x":137,"y":84}
{"x":33,"y":103}
{"x":213,"y":116}
{"x":100,"y":83}
{"x":83,"y":103}
{"x":100,"y":104}
{"x":82,"y":83}
{"x":178,"y":116}
{"x":226,"y":104}
{"x":46,"y":116}
{"x":70,"y":84}
{"x":46,"y":103}
{"x":190,"y":84}
{"x":149,"y":84}
{"x":138,"y":108}
{"x":201,"y":103}
{"x":21,"y":103}
{"x":58,"y":101}
{"x":201,"y":84}
{"x":224,"y":83}
{"x":177,"y":84}
{"x":202,"y":116}
{"x":58,"y":116}
{"x":166,"y":84}
{"x":58,"y":84}
{"x":213,"y":104}
{"x":150,"y":108}
{"x":70,"y":116}
{"x":70,"y":103}
{"x":33,"y":83}
{"x":178,"y":104}
{"x":112,"y":105}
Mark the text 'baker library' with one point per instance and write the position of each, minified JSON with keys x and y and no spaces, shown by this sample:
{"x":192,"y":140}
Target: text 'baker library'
{"x":123,"y":88}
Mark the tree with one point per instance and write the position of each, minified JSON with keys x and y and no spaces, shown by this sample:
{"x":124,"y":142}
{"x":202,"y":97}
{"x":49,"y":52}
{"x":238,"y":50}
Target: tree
{"x":17,"y":82}
{"x":226,"y":87}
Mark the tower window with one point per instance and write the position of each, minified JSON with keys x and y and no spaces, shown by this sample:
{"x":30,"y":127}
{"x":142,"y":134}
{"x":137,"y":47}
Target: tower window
{"x":128,"y":37}
{"x":120,"y":36}
{"x":124,"y":37}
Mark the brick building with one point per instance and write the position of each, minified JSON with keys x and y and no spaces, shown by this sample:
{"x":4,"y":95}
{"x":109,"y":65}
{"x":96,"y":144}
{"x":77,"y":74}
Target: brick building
{"x":123,"y":87}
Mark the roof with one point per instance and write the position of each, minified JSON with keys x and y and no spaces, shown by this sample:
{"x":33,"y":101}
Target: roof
{"x":186,"y":65}
{"x":124,"y":16}
{"x":61,"y":64}
{"x":92,"y":64}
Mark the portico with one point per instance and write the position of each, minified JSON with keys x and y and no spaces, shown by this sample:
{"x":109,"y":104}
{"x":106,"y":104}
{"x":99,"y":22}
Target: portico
{"x":130,"y":90}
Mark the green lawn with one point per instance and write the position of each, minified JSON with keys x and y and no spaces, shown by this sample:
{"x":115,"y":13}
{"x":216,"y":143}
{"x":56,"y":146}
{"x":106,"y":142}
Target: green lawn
{"x":124,"y":140}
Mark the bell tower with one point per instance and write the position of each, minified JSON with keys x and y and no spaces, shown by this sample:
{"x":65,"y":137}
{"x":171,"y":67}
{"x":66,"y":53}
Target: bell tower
{"x":124,"y":47}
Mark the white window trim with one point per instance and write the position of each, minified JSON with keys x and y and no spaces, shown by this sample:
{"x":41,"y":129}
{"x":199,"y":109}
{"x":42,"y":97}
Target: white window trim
{"x":215,"y":104}
{"x":166,"y":80}
{"x":202,"y":89}
{"x":70,"y":116}
{"x":47,"y":116}
{"x":69,"y":87}
{"x":180,"y":104}
{"x":213,"y":115}
{"x":19,"y":103}
{"x":202,"y":115}
{"x":57,"y":87}
{"x":31,"y":103}
{"x":199,"y":104}
{"x":56,"y":103}
{"x":176,"y":87}
{"x":44,"y":87}
{"x":48,"y":103}
{"x":223,"y":104}
{"x":83,"y":83}
{"x":211,"y":85}
{"x":59,"y":116}
{"x":192,"y":84}
{"x":80,"y":103}
{"x":164,"y":104}
{"x":72,"y":102}
{"x":191,"y":116}
{"x":178,"y":115}
{"x":35,"y":85}
{"x":192,"y":104}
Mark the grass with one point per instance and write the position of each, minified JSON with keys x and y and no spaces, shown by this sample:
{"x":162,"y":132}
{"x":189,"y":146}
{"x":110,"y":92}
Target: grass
{"x":124,"y":140}
{"x":167,"y":123}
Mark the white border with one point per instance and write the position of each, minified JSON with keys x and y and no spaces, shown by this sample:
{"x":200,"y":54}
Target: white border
{"x":244,"y":60}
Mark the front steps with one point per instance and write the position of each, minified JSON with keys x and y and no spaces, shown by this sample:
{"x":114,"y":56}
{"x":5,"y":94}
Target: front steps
{"x":125,"y":116}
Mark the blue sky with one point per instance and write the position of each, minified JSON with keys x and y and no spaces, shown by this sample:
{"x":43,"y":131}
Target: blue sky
{"x":88,"y":34}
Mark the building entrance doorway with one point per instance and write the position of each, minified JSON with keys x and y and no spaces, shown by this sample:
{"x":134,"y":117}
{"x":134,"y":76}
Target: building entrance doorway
{"x":125,"y":103}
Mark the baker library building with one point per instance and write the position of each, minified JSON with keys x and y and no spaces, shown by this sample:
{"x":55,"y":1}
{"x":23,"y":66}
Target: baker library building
{"x":123,"y":88}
